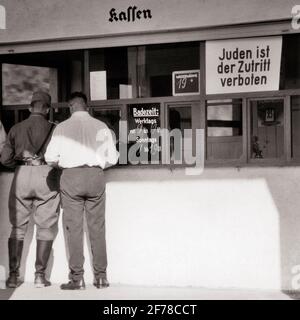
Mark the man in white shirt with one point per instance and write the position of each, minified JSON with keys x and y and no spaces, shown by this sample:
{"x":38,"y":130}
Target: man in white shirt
{"x":2,"y":137}
{"x":83,"y":146}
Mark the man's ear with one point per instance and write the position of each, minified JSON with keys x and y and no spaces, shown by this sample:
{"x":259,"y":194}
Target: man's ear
{"x":30,"y":109}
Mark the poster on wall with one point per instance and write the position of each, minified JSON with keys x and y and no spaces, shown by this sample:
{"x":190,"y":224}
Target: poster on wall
{"x":243,"y":65}
{"x":186,"y":83}
{"x":144,"y":127}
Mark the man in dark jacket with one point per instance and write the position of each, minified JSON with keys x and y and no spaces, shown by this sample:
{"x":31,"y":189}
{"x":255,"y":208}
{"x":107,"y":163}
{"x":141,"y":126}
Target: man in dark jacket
{"x":34,"y":190}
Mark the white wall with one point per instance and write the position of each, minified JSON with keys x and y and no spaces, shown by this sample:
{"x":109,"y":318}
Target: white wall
{"x":226,"y":228}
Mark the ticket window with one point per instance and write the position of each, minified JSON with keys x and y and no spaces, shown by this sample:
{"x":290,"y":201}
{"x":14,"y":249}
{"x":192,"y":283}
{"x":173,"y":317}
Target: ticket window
{"x":224,"y":129}
{"x":23,"y":114}
{"x":158,"y":62}
{"x":58,"y":73}
{"x":56,"y":115}
{"x":181,"y":137}
{"x":111,"y":117}
{"x":7,"y":119}
{"x":139,"y":71}
{"x":267,"y":128}
{"x":109,"y":74}
{"x":60,"y":114}
{"x":11,"y":117}
{"x":19,"y":81}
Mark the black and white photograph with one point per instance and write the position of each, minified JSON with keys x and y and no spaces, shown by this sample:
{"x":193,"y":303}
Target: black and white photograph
{"x":149,"y":151}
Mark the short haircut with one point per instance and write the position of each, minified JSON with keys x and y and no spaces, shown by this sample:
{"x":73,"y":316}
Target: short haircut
{"x":78,"y":94}
{"x":44,"y":105}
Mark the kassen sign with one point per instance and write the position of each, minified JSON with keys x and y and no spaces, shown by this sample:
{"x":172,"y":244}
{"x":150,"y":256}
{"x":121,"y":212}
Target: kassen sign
{"x":243,"y":65}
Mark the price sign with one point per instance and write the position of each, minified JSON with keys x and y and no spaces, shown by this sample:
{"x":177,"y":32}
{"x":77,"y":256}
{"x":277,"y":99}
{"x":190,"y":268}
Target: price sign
{"x":186,"y":82}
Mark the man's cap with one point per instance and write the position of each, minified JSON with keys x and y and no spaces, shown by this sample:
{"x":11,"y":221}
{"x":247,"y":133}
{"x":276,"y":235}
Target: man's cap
{"x":41,"y":96}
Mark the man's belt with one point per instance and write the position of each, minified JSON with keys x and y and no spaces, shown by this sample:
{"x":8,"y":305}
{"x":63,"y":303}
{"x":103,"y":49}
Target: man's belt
{"x":31,"y":162}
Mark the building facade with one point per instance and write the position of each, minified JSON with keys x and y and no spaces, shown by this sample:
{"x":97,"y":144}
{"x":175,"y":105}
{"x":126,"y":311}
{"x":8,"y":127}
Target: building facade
{"x":227,"y":69}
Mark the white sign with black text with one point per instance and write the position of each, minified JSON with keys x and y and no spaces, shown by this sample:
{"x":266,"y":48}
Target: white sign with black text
{"x":243,"y":65}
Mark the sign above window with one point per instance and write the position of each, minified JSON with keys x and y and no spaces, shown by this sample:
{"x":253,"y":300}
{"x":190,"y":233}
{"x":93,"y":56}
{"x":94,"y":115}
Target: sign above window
{"x":186,"y":82}
{"x":130,"y":15}
{"x":243,"y":65}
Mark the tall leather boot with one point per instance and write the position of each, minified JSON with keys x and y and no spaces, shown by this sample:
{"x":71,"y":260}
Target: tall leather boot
{"x":43,"y":250}
{"x":15,"y":249}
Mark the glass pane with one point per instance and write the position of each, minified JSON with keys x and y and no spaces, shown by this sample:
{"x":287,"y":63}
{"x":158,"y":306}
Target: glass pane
{"x":109,"y":75}
{"x":23,"y":114}
{"x":224,"y":129}
{"x":267,"y":129}
{"x":19,"y":81}
{"x":161,"y":61}
{"x":136,"y":72}
{"x":61,"y":114}
{"x":7,"y":119}
{"x":295,"y":127}
{"x":111,"y":118}
{"x":290,"y":62}
{"x":181,"y":146}
{"x":3,"y":135}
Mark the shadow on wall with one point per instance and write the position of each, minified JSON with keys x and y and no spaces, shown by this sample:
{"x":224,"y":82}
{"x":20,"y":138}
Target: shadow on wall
{"x":287,"y":200}
{"x":284,"y":188}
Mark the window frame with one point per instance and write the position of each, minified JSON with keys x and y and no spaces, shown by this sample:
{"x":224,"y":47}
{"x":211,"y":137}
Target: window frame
{"x":246,"y":160}
{"x":165,"y":102}
{"x":270,"y":161}
{"x":243,"y":156}
{"x":199,"y":105}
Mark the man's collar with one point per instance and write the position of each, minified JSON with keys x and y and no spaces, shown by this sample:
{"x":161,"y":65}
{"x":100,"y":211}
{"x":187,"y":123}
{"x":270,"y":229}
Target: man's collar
{"x":38,"y":114}
{"x":80,"y":113}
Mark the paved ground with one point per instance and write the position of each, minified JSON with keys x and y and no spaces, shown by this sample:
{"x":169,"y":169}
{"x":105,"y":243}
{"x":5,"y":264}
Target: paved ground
{"x":116,"y":292}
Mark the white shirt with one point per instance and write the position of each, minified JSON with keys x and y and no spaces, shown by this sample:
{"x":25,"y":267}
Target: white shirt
{"x":82,"y":140}
{"x":2,"y":137}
